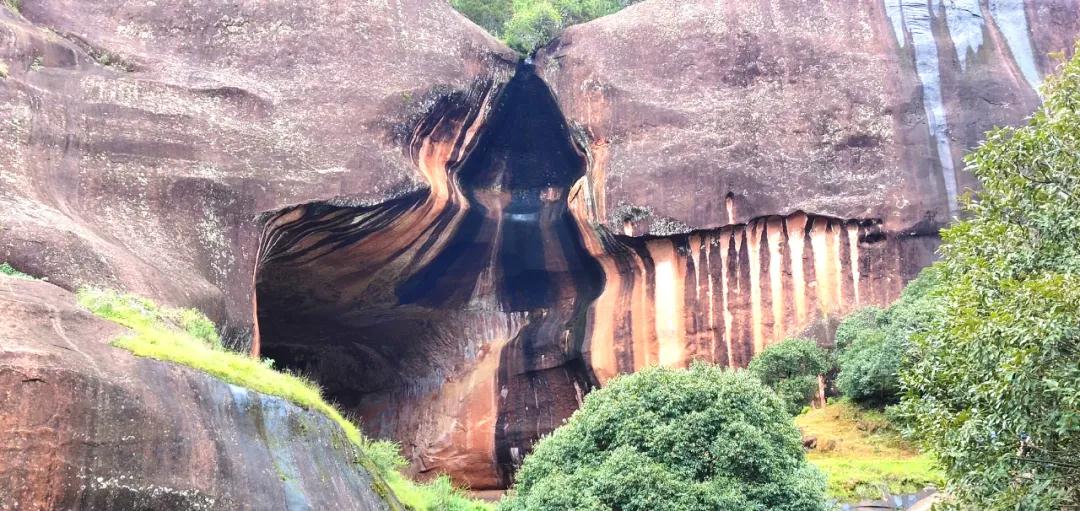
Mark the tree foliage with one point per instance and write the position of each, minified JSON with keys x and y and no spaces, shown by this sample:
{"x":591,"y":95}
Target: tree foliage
{"x":994,"y":384}
{"x":533,"y":26}
{"x":873,"y":344}
{"x":791,"y":368}
{"x":681,"y":440}
{"x":526,"y":25}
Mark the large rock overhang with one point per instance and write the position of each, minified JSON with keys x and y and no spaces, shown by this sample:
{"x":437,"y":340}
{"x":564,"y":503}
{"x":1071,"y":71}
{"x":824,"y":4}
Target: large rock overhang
{"x":482,"y":277}
{"x":468,"y":319}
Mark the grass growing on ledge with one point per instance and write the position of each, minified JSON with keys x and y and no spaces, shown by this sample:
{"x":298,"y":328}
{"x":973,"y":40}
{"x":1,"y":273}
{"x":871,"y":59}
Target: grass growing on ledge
{"x":861,"y":452}
{"x":8,"y":270}
{"x":187,"y":337}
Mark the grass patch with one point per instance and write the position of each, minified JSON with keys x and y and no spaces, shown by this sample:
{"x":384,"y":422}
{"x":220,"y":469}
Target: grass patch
{"x":187,"y":337}
{"x":13,"y":5}
{"x":861,"y":452}
{"x":7,"y":269}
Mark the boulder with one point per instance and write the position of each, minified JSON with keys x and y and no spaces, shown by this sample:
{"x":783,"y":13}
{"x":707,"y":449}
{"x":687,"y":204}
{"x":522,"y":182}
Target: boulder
{"x":705,"y":113}
{"x":89,"y":426}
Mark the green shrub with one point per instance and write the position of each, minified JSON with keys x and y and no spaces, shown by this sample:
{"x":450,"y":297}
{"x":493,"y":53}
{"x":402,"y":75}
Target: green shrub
{"x":869,"y":368}
{"x":526,"y":25}
{"x":994,"y":384}
{"x":490,"y":14}
{"x":791,"y":368}
{"x":533,"y":27}
{"x":874,"y":344}
{"x":856,"y":324}
{"x":688,"y":440}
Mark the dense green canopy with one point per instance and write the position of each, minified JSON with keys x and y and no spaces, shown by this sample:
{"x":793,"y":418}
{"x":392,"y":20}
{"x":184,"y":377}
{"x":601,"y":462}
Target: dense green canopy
{"x":873,"y":344}
{"x":994,"y":384}
{"x":791,"y":368}
{"x":702,"y":439}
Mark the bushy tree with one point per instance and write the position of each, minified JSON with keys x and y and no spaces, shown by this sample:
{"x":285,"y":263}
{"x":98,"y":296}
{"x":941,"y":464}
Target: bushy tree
{"x":874,"y":344}
{"x":994,"y":385}
{"x":857,"y":324}
{"x":490,"y":14}
{"x":702,"y":439}
{"x":533,"y":26}
{"x":791,"y":368}
{"x":526,"y":25}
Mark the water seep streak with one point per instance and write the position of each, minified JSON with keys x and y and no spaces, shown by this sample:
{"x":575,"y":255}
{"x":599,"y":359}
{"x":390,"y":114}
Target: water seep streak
{"x":1012,"y":22}
{"x":917,"y":17}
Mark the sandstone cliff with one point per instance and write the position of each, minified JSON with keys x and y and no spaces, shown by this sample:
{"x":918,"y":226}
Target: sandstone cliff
{"x":141,"y":141}
{"x":458,"y":255}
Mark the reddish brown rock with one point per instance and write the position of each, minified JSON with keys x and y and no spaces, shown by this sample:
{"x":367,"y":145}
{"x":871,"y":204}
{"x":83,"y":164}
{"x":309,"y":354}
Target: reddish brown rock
{"x":788,"y":106}
{"x":459,"y":263}
{"x":88,"y":426}
{"x":142,"y":140}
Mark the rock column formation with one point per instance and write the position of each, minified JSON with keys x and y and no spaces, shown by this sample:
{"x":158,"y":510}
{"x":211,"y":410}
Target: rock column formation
{"x":722,"y":295}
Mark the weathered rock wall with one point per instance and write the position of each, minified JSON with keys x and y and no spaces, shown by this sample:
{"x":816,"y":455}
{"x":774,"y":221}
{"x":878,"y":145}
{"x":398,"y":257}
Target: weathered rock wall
{"x":724,"y":294}
{"x":88,"y":426}
{"x":853,"y":109}
{"x":727,"y":174}
{"x":141,"y":140}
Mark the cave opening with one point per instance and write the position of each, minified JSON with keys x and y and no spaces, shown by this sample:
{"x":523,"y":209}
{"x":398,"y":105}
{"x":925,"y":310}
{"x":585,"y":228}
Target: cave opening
{"x":443,"y":319}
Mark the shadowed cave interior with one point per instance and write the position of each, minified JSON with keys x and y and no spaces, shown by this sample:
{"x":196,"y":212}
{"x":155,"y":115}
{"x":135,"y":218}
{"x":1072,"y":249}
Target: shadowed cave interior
{"x":385,"y":305}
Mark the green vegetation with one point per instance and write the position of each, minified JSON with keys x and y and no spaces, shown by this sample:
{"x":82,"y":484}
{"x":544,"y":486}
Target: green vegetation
{"x":187,"y":337}
{"x":7,"y":269}
{"x":112,"y":60}
{"x":873,"y":344}
{"x":862,"y":453}
{"x":791,"y":368}
{"x":993,"y":387}
{"x":687,"y":440}
{"x":526,"y":25}
{"x":13,"y":5}
{"x":3,"y":70}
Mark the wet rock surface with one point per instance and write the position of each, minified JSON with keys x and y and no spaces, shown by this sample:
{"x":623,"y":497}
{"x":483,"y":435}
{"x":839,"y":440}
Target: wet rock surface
{"x":142,"y":140}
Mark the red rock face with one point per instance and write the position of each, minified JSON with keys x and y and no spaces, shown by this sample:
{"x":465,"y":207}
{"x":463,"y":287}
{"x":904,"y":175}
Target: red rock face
{"x":452,"y":318}
{"x":857,"y":109}
{"x":722,"y":295}
{"x":458,"y":256}
{"x":142,"y":140}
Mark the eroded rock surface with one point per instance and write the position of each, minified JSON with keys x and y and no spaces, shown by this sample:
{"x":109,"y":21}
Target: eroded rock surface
{"x":460,"y":263}
{"x":141,"y":140}
{"x":89,"y":426}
